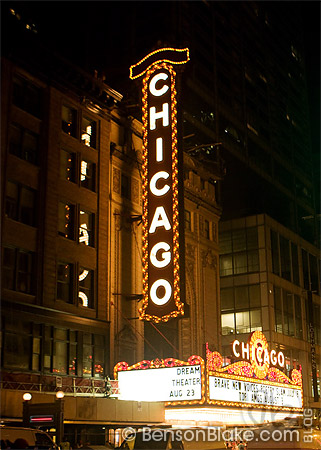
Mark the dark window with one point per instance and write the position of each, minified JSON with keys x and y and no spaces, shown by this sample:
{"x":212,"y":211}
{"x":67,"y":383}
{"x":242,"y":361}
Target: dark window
{"x":67,"y":165}
{"x":16,"y":347}
{"x":23,"y":143}
{"x":17,"y":270}
{"x":66,"y":215}
{"x":278,"y":310}
{"x":298,"y":317}
{"x":27,"y":96}
{"x":285,"y":258}
{"x":243,"y":245}
{"x":295,"y":264}
{"x":60,"y":351}
{"x":206,"y":229}
{"x":86,"y":228}
{"x":125,"y":186}
{"x":87,"y":357}
{"x":314,"y":273}
{"x":188,"y":224}
{"x":64,"y":282}
{"x":20,"y":203}
{"x":305,"y":266}
{"x":241,"y":309}
{"x":87,"y":175}
{"x":72,"y":353}
{"x":69,"y":120}
{"x":86,"y":294}
{"x":99,"y":355}
{"x":88,"y":132}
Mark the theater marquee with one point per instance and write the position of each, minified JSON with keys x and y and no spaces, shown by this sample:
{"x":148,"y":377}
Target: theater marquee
{"x":161,"y":261}
{"x":165,"y":380}
{"x":255,"y":383}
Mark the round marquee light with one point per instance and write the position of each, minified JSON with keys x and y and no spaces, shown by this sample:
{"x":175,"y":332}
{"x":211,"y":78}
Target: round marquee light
{"x":60,"y":394}
{"x":27,"y":396}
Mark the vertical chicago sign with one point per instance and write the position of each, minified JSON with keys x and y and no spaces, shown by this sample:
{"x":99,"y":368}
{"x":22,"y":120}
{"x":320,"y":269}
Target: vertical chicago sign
{"x":161,"y":262}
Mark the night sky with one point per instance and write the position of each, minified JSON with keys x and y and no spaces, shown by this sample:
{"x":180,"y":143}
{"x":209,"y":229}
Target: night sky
{"x":91,"y":35}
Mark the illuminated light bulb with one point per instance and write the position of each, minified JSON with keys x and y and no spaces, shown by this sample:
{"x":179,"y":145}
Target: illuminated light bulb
{"x":27,"y":396}
{"x":60,"y":394}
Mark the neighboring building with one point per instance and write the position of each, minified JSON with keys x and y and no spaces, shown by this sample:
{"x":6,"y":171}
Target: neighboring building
{"x":245,"y":87}
{"x":266,"y":274}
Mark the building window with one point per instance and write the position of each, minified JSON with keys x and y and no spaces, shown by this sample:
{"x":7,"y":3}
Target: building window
{"x":60,"y":351}
{"x":86,"y":293}
{"x":87,"y":357}
{"x":239,"y":251}
{"x":72,"y":363}
{"x":285,"y":258}
{"x":18,"y":270}
{"x":66,"y":214}
{"x":23,"y":143}
{"x":65,"y":282}
{"x":125,"y":186}
{"x":188,"y":222}
{"x":71,"y":117}
{"x":87,"y":175}
{"x":86,"y":228}
{"x":27,"y":96}
{"x":206,"y":229}
{"x":20,"y":203}
{"x":241,"y":309}
{"x":99,"y":355}
{"x":16,"y":344}
{"x":93,"y":361}
{"x":36,"y":348}
{"x":88,"y":132}
{"x":287,"y":313}
{"x":67,"y":165}
{"x":69,"y":120}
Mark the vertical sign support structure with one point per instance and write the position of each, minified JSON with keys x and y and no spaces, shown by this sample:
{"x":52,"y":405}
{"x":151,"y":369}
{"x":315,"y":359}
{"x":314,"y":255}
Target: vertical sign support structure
{"x":161,"y":244}
{"x":312,"y":346}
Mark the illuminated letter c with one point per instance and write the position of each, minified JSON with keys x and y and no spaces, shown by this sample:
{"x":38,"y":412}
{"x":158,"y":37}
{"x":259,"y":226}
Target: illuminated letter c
{"x":152,"y":85}
{"x":235,"y":343}
{"x":153,"y":181}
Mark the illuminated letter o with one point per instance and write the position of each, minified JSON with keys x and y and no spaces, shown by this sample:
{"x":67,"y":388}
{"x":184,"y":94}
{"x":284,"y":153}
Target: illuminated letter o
{"x":152,"y":85}
{"x":153,"y":292}
{"x":281,"y":360}
{"x":154,"y":190}
{"x":166,"y":255}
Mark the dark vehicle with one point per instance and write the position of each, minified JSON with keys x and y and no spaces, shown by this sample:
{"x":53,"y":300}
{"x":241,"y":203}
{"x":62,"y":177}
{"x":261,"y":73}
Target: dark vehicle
{"x":31,"y":438}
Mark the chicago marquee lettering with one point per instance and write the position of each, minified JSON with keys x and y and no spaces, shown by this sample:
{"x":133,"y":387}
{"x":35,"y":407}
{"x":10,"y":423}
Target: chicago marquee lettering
{"x":161,"y":271}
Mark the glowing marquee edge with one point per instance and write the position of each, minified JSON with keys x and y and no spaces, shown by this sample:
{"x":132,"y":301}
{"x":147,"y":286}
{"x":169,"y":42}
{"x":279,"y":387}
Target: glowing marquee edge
{"x":166,"y":60}
{"x":175,"y":251}
{"x":168,"y":362}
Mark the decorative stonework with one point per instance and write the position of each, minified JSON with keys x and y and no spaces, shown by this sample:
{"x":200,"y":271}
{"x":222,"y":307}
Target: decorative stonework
{"x":190,"y":251}
{"x":135,"y":190}
{"x":208,"y":259}
{"x":116,"y":180}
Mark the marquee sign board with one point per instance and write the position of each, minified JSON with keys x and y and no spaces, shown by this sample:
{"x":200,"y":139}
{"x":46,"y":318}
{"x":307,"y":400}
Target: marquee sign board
{"x":161,"y":261}
{"x":172,"y":381}
{"x":256,"y":383}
